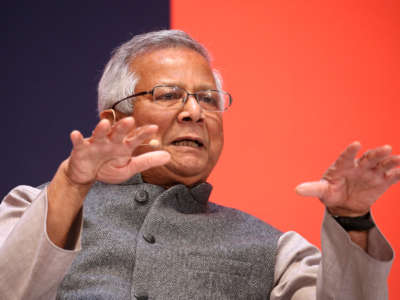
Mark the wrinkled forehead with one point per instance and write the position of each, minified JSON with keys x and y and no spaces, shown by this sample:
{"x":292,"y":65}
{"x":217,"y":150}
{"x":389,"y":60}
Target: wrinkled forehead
{"x":179,"y":66}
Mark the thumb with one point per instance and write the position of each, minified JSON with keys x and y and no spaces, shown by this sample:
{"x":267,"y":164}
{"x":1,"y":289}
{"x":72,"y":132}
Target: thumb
{"x":312,"y":189}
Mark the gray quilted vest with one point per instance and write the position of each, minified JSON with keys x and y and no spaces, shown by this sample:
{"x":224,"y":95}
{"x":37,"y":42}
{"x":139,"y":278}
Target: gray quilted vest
{"x":141,"y":241}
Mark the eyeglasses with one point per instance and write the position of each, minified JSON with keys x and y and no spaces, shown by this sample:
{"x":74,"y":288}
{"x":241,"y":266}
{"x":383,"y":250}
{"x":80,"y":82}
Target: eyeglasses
{"x":175,"y":97}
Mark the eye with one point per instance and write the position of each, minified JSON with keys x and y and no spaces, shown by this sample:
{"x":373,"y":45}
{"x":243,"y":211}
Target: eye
{"x":167,"y":93}
{"x":209,"y":98}
{"x":166,"y":96}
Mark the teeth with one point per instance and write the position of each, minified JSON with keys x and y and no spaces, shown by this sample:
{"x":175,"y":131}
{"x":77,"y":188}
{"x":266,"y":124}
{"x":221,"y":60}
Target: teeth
{"x":187,"y":143}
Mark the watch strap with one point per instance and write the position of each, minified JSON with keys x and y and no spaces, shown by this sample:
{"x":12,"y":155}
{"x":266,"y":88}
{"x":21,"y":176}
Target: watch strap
{"x":361,"y":223}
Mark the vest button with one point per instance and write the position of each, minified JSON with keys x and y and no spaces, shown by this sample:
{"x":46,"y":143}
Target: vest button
{"x":142,"y":297}
{"x":149,"y":238}
{"x":141,"y":196}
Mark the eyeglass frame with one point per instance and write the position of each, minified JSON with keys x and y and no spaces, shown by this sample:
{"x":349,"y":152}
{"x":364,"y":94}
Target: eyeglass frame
{"x":151,"y":92}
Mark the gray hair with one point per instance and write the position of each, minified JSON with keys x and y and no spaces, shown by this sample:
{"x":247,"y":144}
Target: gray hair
{"x":118,"y":81}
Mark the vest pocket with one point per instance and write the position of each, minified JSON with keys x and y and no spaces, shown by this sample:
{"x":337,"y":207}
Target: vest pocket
{"x":210,"y":277}
{"x":217,"y":265}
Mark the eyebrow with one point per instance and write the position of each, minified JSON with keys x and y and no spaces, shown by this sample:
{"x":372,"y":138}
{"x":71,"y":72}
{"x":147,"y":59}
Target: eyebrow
{"x":201,"y":87}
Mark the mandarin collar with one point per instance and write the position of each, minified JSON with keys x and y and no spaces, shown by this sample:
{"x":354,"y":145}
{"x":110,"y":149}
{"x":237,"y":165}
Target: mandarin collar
{"x":188,"y":199}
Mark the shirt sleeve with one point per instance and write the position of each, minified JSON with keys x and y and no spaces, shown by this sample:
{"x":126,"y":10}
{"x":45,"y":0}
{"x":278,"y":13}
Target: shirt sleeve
{"x":31,"y":265}
{"x":343,"y":271}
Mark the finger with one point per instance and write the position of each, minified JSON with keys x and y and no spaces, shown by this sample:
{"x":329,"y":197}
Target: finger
{"x":102,"y":129}
{"x":121,"y":129}
{"x":76,"y":138}
{"x":313,"y":189}
{"x":393,"y":175}
{"x":150,"y":127}
{"x":390,"y":163}
{"x":372,"y":158}
{"x":148,"y":160}
{"x":347,"y":157}
{"x":140,"y":135}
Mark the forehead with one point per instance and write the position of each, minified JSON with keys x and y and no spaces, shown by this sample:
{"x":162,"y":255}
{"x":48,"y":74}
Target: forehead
{"x":179,"y":66}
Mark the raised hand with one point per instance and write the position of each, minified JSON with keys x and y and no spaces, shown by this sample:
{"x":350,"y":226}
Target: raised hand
{"x":350,"y":186}
{"x":107,"y":154}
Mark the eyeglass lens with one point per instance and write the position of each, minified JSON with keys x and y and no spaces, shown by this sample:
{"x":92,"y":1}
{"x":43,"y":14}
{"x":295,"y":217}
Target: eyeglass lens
{"x":171,"y":96}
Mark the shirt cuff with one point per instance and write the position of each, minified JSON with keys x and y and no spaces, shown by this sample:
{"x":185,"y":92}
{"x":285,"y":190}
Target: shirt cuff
{"x":349,"y":272}
{"x":75,"y":232}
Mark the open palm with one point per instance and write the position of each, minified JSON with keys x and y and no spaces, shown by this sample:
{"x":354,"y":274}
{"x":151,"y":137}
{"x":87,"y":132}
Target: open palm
{"x":350,"y":186}
{"x":107,"y":154}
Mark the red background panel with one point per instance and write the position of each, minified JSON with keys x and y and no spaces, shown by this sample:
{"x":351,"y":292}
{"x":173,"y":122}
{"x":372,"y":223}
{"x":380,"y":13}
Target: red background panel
{"x":308,"y":78}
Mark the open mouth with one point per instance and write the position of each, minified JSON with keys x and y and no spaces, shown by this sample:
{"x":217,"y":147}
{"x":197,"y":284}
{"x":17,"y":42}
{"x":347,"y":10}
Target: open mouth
{"x":188,"y":142}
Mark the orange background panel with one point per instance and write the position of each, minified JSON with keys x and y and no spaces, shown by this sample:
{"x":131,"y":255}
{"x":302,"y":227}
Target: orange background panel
{"x":308,"y":78}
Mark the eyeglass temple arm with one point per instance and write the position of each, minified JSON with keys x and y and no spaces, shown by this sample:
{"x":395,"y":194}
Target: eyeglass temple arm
{"x":131,"y":96}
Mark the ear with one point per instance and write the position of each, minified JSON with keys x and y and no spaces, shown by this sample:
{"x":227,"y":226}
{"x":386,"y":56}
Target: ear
{"x":112,"y":115}
{"x":109,"y":114}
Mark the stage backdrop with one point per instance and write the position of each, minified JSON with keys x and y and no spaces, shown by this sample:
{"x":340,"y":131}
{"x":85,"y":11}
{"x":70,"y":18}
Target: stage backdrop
{"x":53,"y":54}
{"x":307,"y":78}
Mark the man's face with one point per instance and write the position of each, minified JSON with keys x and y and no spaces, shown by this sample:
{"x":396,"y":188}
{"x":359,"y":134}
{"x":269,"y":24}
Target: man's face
{"x":193,"y":136}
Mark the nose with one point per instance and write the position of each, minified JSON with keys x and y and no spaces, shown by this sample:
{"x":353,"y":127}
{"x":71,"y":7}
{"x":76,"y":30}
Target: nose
{"x":191,"y":111}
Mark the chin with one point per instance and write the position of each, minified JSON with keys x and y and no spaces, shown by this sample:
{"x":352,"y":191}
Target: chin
{"x":188,"y":169}
{"x":185,"y":169}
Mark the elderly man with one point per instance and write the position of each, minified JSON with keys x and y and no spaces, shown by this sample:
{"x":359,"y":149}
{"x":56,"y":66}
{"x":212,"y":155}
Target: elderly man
{"x":127,"y":213}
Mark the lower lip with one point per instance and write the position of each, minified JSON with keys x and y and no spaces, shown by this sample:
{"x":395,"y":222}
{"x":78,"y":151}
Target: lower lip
{"x":185,"y":148}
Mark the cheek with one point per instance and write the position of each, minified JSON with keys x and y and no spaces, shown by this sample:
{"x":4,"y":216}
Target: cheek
{"x":216,"y":135}
{"x":148,"y":115}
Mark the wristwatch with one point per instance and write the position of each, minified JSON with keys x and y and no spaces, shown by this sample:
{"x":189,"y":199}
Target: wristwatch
{"x":362,"y":223}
